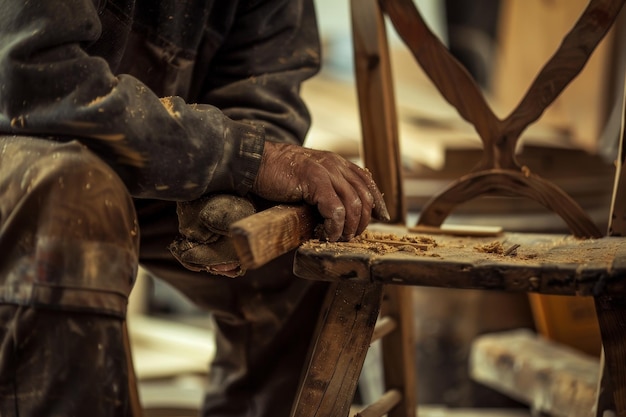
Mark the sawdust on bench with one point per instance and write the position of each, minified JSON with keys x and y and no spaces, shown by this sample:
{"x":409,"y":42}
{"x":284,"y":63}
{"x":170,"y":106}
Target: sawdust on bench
{"x":382,"y":243}
{"x":379,"y":243}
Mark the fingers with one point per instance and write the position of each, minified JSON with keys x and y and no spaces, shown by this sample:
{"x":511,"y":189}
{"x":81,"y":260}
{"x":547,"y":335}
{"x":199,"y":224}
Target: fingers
{"x":379,"y":208}
{"x":357,"y":200}
{"x":361,"y":198}
{"x":348,"y":200}
{"x":345,"y":195}
{"x":328,"y":193}
{"x":334,"y":214}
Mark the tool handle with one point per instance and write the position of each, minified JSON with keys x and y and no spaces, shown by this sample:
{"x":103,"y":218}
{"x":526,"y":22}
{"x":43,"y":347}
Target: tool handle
{"x":266,"y":235}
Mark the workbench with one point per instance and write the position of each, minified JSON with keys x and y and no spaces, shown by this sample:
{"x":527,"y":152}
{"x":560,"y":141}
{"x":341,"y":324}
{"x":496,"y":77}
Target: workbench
{"x":542,"y":263}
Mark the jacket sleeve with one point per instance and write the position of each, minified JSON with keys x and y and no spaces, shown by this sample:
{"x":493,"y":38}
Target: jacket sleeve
{"x":256,"y":75}
{"x":162,"y":148}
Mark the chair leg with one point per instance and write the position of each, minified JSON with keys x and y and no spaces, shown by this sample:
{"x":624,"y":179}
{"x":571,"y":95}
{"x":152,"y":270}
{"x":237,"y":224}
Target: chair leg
{"x":344,"y":334}
{"x":612,"y":318}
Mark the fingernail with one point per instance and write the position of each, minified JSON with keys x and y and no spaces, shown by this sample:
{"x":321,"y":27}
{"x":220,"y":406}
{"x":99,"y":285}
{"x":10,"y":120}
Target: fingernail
{"x":382,"y":213}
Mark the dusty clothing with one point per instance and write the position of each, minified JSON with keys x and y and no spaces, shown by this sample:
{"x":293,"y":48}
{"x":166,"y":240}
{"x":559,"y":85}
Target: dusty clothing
{"x":100,"y":70}
{"x":93,"y":157}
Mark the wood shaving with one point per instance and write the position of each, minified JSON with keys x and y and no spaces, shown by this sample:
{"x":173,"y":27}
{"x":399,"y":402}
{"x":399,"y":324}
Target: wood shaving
{"x":369,"y":235}
{"x":380,"y":243}
{"x":493,"y":247}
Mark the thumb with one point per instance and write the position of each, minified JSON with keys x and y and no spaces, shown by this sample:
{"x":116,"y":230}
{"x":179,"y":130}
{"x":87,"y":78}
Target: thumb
{"x":221,"y":210}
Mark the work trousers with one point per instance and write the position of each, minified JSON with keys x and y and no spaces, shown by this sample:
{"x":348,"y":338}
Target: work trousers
{"x":71,"y":240}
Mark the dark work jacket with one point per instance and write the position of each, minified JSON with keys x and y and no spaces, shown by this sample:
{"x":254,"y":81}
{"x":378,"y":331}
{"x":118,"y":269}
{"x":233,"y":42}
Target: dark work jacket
{"x":119,"y":76}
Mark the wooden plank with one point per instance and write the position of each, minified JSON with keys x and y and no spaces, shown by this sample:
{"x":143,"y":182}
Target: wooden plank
{"x":457,"y":230}
{"x":551,"y":378}
{"x":542,"y":263}
{"x":266,"y":235}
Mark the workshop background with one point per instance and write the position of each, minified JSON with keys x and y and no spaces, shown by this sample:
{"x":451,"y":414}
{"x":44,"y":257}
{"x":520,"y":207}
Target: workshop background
{"x":503,"y":44}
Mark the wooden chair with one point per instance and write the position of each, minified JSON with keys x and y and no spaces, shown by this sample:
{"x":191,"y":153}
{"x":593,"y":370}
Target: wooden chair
{"x":369,"y":295}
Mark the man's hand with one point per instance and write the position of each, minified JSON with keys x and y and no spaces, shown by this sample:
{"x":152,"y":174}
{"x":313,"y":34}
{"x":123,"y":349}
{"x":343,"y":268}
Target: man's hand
{"x":345,"y":194}
{"x":204,"y":244}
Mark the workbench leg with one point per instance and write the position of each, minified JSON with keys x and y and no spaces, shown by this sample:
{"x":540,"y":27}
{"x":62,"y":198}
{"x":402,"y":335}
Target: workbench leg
{"x":611,"y":311}
{"x":344,"y":334}
{"x":604,"y":392}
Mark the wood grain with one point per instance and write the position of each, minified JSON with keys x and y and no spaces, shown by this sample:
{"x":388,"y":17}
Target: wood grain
{"x":377,"y":110}
{"x":502,"y":182}
{"x":345,"y":330}
{"x":543,"y":263}
{"x":266,"y":235}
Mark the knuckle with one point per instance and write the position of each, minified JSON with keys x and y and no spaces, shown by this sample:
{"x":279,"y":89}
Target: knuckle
{"x":356,"y":205}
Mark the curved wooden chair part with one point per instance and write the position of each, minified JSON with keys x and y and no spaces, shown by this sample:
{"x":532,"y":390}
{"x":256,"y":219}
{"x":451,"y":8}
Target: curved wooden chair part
{"x":498,"y":173}
{"x":507,"y":182}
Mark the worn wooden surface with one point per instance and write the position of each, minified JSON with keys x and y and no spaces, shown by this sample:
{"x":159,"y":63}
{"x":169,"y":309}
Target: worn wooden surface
{"x":345,"y":329}
{"x":377,"y":108}
{"x":266,"y":235}
{"x":542,"y":263}
{"x":549,"y":377}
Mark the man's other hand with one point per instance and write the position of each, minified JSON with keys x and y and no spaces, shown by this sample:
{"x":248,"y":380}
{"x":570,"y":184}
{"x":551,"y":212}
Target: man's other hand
{"x":204,"y":243}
